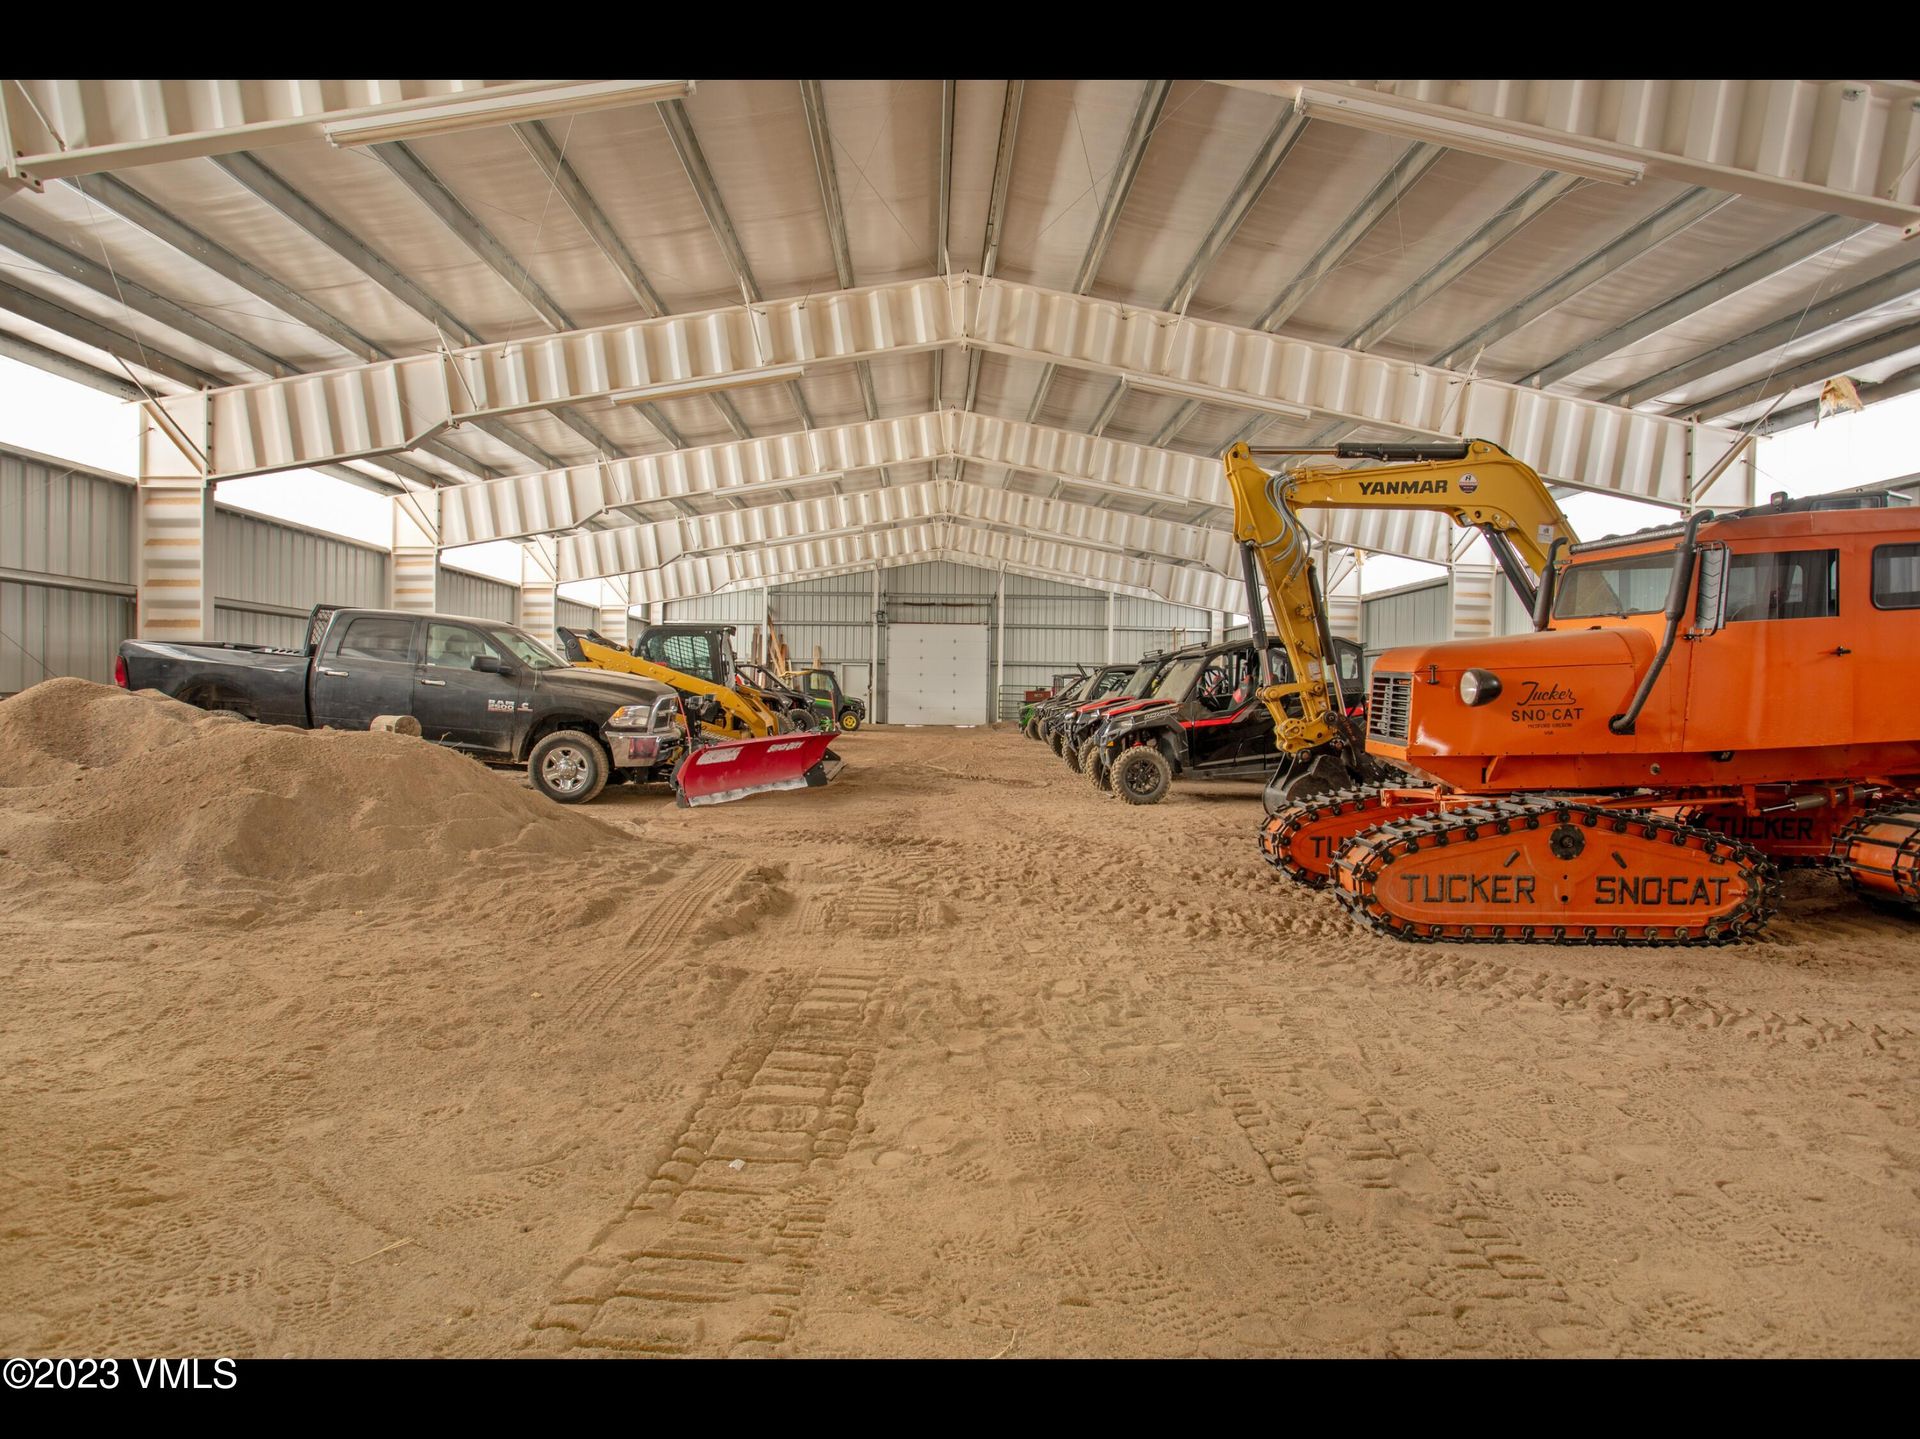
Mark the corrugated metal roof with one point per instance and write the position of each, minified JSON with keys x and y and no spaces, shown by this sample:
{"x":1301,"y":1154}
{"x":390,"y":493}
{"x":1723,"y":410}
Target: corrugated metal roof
{"x":885,"y":141}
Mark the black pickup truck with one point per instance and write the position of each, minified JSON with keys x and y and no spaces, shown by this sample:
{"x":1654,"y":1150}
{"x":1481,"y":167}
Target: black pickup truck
{"x":481,"y":686}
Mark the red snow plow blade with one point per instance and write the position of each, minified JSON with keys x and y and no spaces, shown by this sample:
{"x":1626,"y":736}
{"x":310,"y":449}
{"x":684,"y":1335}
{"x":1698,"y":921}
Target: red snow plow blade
{"x":734,"y":769}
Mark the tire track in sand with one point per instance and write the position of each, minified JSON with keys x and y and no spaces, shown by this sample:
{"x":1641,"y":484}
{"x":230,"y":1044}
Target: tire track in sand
{"x":666,"y":929}
{"x":712,"y":1255}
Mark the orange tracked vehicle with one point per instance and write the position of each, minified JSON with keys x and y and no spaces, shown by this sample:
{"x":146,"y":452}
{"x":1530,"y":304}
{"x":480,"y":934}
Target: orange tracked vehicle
{"x":1696,"y":705}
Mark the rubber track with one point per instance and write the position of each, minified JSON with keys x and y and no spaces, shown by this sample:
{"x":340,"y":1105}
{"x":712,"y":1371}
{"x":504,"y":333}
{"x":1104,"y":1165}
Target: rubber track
{"x":1366,"y":855}
{"x":1277,"y":830}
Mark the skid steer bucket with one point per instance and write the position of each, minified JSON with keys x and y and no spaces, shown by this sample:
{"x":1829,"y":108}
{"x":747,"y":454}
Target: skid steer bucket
{"x":734,"y":769}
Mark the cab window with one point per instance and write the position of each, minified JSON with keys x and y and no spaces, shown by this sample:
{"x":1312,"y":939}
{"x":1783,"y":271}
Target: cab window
{"x":1783,"y":585}
{"x":1617,"y":588}
{"x":1896,"y":577}
{"x":377,"y":637}
{"x":455,"y":647}
{"x":820,"y":686}
{"x":690,"y":654}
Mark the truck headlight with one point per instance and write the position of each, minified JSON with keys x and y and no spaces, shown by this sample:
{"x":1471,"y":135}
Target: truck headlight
{"x":656,"y":715}
{"x":1479,"y":687}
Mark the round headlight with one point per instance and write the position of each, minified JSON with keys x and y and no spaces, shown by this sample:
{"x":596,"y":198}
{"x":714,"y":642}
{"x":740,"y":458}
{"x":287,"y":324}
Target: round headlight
{"x":1479,"y":687}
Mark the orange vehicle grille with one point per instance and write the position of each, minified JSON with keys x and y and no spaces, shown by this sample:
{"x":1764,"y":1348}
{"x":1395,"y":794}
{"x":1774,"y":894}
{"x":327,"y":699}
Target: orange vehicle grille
{"x":1389,"y":707}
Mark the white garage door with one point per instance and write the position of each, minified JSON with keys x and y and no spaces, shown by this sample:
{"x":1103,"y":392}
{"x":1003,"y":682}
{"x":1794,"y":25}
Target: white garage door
{"x":937,"y":674}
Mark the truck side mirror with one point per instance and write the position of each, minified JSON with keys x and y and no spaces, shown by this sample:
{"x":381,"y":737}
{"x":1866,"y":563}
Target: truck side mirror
{"x":1710,"y":606}
{"x":490,"y":664}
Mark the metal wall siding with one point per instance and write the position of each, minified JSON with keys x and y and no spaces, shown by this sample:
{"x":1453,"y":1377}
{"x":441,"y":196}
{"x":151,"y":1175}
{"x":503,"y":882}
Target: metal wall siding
{"x":574,"y":616}
{"x":1408,"y":617}
{"x":47,"y":632}
{"x":256,"y":627}
{"x":60,"y":521}
{"x":465,"y":594}
{"x":736,"y":607}
{"x":257,"y":561}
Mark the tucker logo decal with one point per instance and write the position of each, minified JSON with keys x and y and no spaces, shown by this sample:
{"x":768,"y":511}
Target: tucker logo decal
{"x":1552,"y":706}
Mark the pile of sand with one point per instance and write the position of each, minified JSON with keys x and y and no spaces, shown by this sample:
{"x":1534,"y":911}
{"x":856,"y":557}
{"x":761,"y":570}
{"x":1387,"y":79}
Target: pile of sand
{"x":156,"y":797}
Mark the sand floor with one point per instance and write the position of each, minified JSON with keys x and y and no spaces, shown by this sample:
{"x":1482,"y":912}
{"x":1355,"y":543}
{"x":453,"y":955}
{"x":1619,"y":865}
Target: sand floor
{"x":954,"y":1058}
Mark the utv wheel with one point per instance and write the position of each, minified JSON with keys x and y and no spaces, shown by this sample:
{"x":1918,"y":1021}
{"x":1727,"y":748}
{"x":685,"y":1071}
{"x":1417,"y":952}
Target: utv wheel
{"x":1057,"y":742}
{"x":1142,"y":775}
{"x":1075,"y":756}
{"x":849,"y":721}
{"x":569,"y":767}
{"x":1094,"y":765}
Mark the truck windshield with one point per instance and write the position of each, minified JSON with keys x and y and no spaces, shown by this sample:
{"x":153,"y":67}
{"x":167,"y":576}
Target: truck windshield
{"x":529,"y":651}
{"x":1633,"y":586}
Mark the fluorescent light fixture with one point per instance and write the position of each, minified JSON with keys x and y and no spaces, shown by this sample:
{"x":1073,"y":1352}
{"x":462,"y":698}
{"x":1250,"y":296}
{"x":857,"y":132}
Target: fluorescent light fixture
{"x":1403,"y":118}
{"x":1158,"y":385}
{"x":681,"y":389}
{"x":569,"y":98}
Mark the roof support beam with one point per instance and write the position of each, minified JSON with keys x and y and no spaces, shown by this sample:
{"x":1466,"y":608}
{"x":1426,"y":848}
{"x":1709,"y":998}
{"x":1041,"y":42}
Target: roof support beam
{"x":134,"y":208}
{"x":115,"y":195}
{"x":1809,"y":372}
{"x":138,"y":298}
{"x":1686,"y":210}
{"x":1891,"y":288}
{"x":1261,"y":169}
{"x":13,"y":347}
{"x":693,"y":160}
{"x":264,"y":184}
{"x":60,"y":128}
{"x":1405,"y":173}
{"x":636,"y":547}
{"x":755,"y":473}
{"x":820,"y":138}
{"x":1513,"y":217}
{"x":996,"y":211}
{"x":965,"y":541}
{"x":1901,"y":382}
{"x":1843,"y":147}
{"x":1146,"y":117}
{"x":368,"y":410}
{"x":412,"y":172}
{"x":577,"y":198}
{"x":1803,"y":244}
{"x":88,"y":331}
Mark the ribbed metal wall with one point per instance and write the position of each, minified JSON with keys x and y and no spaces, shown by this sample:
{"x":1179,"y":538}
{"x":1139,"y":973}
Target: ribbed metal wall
{"x":574,"y":616}
{"x":47,"y":632}
{"x":465,"y":594}
{"x":1418,"y":614}
{"x":1050,"y":628}
{"x":268,"y":574}
{"x":74,"y":527}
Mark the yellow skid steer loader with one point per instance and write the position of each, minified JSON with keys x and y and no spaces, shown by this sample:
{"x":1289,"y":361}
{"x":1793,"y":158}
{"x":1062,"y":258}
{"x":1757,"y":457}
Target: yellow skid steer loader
{"x":737,"y":744}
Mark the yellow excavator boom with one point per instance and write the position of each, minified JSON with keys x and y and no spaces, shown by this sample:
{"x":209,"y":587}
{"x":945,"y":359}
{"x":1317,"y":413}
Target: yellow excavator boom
{"x":1475,"y":481}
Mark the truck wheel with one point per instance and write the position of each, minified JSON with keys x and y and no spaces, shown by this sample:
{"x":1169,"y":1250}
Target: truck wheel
{"x":1074,"y":755}
{"x":568,"y":767}
{"x":1142,"y":775}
